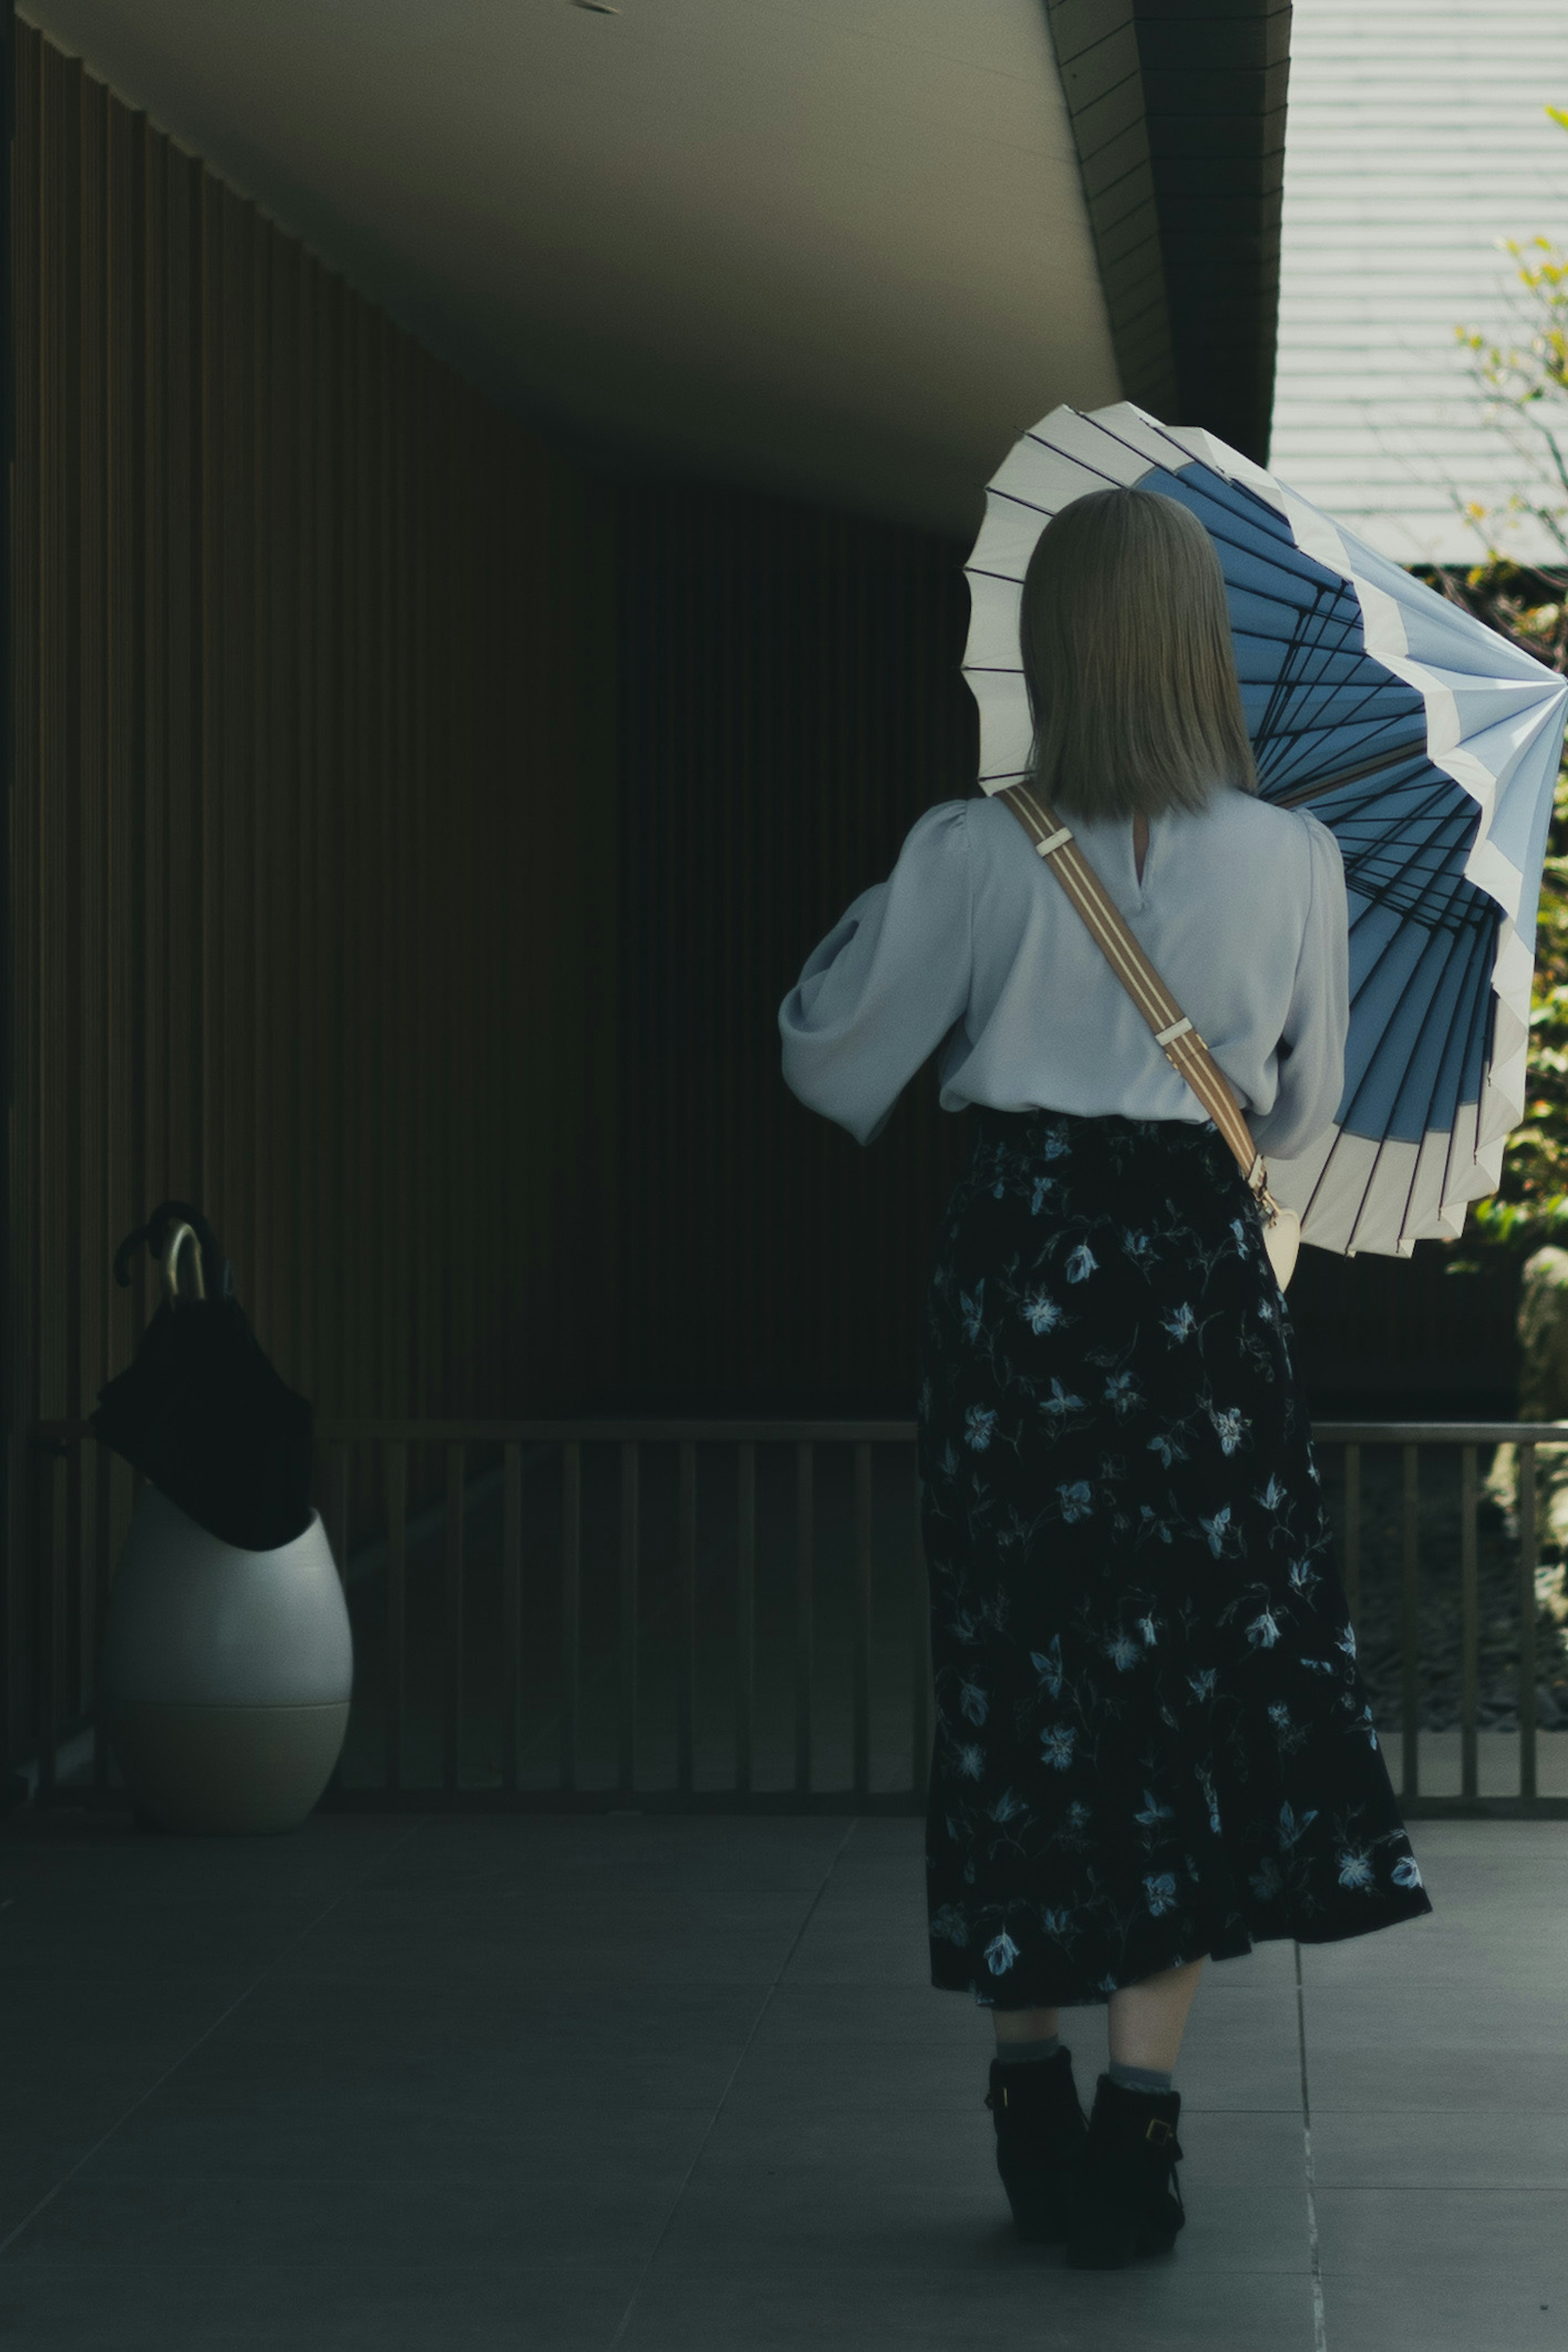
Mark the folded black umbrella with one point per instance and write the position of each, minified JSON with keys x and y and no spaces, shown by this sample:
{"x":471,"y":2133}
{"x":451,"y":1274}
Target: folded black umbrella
{"x":201,"y":1412}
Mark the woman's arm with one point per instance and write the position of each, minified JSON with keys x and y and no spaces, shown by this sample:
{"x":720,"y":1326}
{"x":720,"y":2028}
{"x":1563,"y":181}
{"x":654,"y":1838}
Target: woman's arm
{"x":880,"y":993}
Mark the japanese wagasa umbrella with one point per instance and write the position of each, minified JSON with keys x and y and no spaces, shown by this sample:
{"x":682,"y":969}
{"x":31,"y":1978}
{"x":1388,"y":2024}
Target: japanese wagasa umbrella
{"x":1427,"y":744}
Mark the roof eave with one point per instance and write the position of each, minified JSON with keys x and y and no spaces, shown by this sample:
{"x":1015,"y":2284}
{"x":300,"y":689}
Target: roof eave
{"x":1178,"y":112}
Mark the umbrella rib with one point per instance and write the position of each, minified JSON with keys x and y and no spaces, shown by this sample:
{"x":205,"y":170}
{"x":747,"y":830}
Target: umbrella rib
{"x":1322,"y":1175}
{"x":1295,"y":757}
{"x":1321,"y":727}
{"x":1310,"y":643}
{"x":1410,"y":1188}
{"x":1281,"y":543}
{"x":1353,"y":775}
{"x":1386,"y":948}
{"x":1435,"y":813}
{"x":1185,"y":461}
{"x":1285,"y":678}
{"x":1374,"y":970}
{"x":1296,"y":681}
{"x":1446,"y":997}
{"x":1374,"y":690}
{"x":1414,"y":993}
{"x":1073,"y":459}
{"x":1365,"y":1195}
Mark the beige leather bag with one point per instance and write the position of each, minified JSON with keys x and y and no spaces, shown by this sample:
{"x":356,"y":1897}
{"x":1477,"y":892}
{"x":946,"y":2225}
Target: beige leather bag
{"x":1174,"y":1032}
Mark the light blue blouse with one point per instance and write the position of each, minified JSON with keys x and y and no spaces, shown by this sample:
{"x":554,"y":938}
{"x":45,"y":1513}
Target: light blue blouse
{"x":971,"y":946}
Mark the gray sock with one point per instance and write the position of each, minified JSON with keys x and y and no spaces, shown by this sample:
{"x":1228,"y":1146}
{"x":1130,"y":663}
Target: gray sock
{"x":1009,"y":2051}
{"x":1139,"y":2078}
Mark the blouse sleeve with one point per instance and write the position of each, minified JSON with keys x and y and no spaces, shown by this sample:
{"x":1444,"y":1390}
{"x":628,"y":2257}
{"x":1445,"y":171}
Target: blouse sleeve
{"x":880,"y":993}
{"x":1312,"y":1043}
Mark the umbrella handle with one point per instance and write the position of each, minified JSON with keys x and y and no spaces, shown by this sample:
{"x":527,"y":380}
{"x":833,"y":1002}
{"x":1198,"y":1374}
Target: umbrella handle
{"x":157,"y":1229}
{"x":182,"y":1232}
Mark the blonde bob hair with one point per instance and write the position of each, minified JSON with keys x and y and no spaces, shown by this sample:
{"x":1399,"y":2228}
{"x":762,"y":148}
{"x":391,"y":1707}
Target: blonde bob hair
{"x":1128,"y":661}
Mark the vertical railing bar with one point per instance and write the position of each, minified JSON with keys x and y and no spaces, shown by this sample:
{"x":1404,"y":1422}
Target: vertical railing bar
{"x":336,"y":1521}
{"x":1527,"y":1606}
{"x":1352,"y":1531}
{"x":745,"y":1607}
{"x":511,"y":1613}
{"x":862,"y":1620}
{"x":1410,"y":1724}
{"x":1469,"y":1637}
{"x":686,"y":1659}
{"x":456,"y":1454}
{"x":920,"y":1657}
{"x":338,"y":1507}
{"x":102,"y":1566}
{"x":394,"y":1470}
{"x":627,"y":1716}
{"x":803,"y":1615}
{"x":139,"y":1484}
{"x":570,"y":1599}
{"x":70,"y":1592}
{"x":90,"y":1459}
{"x":44,"y":1718}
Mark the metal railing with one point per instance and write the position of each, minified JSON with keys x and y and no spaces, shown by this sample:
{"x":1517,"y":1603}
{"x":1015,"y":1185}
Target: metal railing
{"x":537,"y":1704}
{"x":1411,"y":1438}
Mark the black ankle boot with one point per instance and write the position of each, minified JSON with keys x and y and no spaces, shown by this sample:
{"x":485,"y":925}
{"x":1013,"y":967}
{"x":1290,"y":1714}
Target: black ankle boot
{"x":1040,"y":2138}
{"x":1124,"y":2205}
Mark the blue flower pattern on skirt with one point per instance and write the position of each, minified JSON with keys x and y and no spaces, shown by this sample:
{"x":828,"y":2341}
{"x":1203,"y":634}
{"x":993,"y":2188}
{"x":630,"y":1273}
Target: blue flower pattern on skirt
{"x":1153,"y":1741}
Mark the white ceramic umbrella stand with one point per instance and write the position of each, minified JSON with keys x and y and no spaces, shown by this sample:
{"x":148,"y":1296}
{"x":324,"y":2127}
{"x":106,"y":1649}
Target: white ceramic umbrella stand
{"x":228,"y":1673}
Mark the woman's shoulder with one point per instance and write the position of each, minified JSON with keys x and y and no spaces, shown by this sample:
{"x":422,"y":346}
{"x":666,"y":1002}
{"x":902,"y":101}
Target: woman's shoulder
{"x":941,"y":827}
{"x":1249,"y":813}
{"x":1263,"y":825}
{"x":1277,"y":857}
{"x":1316,"y":849}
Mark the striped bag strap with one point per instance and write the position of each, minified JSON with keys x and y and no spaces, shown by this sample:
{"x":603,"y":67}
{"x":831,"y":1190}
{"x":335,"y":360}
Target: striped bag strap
{"x":1174,"y":1032}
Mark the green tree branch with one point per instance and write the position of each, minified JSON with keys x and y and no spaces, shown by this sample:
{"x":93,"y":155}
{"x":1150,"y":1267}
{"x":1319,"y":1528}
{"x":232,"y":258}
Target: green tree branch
{"x":1525,"y":385}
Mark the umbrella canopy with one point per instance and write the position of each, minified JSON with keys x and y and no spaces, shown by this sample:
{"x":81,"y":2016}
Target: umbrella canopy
{"x":201,"y":1412}
{"x":1428,"y":745}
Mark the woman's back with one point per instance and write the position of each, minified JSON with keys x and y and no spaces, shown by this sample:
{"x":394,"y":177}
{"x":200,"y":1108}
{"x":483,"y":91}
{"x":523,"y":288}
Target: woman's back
{"x":1242,"y":912}
{"x":972,"y":948}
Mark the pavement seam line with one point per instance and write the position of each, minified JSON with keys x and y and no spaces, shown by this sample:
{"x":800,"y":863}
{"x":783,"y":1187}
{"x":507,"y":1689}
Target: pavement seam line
{"x":718,"y":2106}
{"x":205,"y":2036}
{"x":1320,"y":2332}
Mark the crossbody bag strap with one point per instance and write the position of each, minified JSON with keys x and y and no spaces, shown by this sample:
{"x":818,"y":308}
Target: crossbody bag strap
{"x":1174,"y":1032}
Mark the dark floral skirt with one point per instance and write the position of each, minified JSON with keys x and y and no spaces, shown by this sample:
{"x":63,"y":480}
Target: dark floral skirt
{"x":1153,"y":1741}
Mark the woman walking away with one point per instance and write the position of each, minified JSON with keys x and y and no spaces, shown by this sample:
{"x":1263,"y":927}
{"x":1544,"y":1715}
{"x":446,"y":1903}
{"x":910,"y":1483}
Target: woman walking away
{"x":1153,"y":1744}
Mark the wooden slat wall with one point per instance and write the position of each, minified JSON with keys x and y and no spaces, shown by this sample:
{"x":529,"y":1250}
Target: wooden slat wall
{"x":313,"y":914}
{"x":790,"y":702}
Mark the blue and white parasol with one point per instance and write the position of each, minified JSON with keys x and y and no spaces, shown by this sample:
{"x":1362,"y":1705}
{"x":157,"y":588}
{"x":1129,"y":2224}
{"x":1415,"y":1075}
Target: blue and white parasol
{"x":1428,"y":744}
